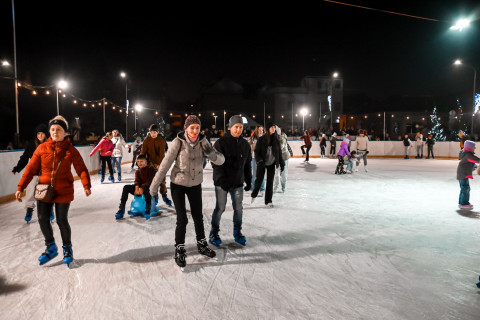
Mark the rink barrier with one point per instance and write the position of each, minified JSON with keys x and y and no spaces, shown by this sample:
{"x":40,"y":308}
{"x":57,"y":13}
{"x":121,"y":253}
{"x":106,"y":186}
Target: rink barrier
{"x":377,"y":149}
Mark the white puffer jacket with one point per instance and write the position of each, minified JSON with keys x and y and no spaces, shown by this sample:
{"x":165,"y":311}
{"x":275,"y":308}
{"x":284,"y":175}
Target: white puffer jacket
{"x":119,"y":144}
{"x":188,"y":168}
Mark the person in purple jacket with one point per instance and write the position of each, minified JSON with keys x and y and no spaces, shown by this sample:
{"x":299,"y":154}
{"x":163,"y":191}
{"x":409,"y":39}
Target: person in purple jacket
{"x":341,"y":153}
{"x":464,"y":172}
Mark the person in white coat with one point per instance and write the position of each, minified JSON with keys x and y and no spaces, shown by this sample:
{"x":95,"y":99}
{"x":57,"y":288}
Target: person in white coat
{"x":281,"y":176}
{"x":419,"y":145}
{"x":117,"y":155}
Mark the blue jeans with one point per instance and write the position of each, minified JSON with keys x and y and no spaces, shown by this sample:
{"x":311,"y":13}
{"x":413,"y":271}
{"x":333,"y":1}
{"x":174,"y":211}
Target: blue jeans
{"x":117,"y":161}
{"x":464,"y":192}
{"x":237,"y":198}
{"x":254,"y":175}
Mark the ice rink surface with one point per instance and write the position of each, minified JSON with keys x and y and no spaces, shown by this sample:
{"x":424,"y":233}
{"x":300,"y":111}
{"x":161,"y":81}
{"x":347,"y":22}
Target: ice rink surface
{"x":387,"y":244}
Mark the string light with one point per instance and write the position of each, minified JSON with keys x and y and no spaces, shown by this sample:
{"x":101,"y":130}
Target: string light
{"x":47,"y":92}
{"x":64,"y":95}
{"x":34,"y":92}
{"x":75,"y":101}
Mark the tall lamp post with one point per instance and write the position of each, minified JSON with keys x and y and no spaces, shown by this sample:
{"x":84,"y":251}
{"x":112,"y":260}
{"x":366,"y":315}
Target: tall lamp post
{"x":215,"y":120}
{"x":459,"y":62}
{"x":334,"y":76}
{"x":124,"y":76}
{"x":303,"y":112}
{"x":62,"y":84}
{"x":138,"y":108}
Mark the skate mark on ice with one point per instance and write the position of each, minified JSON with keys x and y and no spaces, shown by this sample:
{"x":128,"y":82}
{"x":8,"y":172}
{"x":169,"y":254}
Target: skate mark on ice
{"x":469,"y":214}
{"x":235,"y":285}
{"x":214,"y":280}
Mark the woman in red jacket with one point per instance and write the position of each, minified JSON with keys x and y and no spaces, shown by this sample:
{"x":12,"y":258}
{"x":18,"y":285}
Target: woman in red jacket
{"x":106,"y":147}
{"x":308,"y":145}
{"x":45,"y":160}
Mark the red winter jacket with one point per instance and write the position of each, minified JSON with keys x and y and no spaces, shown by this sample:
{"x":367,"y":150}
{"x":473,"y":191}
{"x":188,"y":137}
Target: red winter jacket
{"x":43,"y":161}
{"x":308,"y":141}
{"x":106,"y":148}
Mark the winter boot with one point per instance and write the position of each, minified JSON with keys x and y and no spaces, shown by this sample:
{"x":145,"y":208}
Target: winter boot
{"x":167,"y":201}
{"x":180,"y":255}
{"x":28,"y":215}
{"x":50,"y":253}
{"x":67,"y":254}
{"x":203,"y":249}
{"x":214,"y":238}
{"x":120,"y":213}
{"x":239,"y":237}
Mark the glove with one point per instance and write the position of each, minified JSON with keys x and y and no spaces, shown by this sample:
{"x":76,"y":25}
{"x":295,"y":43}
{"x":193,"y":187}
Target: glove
{"x":207,"y":148}
{"x":129,"y":150}
{"x":367,"y":152}
{"x":247,"y":187}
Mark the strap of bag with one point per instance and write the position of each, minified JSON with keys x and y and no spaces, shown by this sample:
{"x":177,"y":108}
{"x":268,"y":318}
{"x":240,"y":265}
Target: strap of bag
{"x":54,"y":176}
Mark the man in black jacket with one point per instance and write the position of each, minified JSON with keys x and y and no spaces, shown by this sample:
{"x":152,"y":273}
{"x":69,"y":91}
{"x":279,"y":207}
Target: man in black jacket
{"x":230,"y":177}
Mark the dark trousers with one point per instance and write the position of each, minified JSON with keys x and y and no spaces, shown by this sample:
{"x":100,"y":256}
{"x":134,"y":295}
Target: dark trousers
{"x":194,"y":195}
{"x":134,"y":159}
{"x":332,"y":149}
{"x":322,"y":150}
{"x":308,"y":151}
{"x":61,"y":212}
{"x":464,"y":197}
{"x":430,"y":150}
{"x":269,"y":186}
{"x":108,"y":160}
{"x":130,"y":189}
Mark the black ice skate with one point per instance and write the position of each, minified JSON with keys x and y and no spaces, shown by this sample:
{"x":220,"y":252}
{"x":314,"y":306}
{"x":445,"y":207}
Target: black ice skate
{"x":203,"y":249}
{"x":180,"y":255}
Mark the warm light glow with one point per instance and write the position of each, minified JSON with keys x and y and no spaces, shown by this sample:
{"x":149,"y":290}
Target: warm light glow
{"x":303,"y":111}
{"x":113,"y":107}
{"x":379,"y":115}
{"x":423,"y":118}
{"x":439,"y":118}
{"x":62,"y":84}
{"x":75,"y":101}
{"x":408,"y":118}
{"x":47,"y":92}
{"x":64,"y":95}
{"x":123,"y":74}
{"x":268,"y":117}
{"x":5,"y":63}
{"x":458,"y":62}
{"x":351,"y":117}
{"x":366,"y":117}
{"x":282,"y":116}
{"x":199,"y":114}
{"x":93,"y":105}
{"x":19,"y":84}
{"x":461,"y":24}
{"x":335,"y":74}
{"x":138,"y":107}
{"x":171,"y":114}
{"x":156,"y":112}
{"x":393,"y":116}
{"x":186,"y":115}
{"x":99,"y":103}
{"x":84,"y":104}
{"x":296,"y":114}
{"x":133,"y":111}
{"x":253,"y":116}
{"x":121,"y":110}
{"x":34,"y":92}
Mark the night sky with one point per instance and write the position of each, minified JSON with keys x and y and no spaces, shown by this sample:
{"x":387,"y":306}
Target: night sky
{"x":181,"y":48}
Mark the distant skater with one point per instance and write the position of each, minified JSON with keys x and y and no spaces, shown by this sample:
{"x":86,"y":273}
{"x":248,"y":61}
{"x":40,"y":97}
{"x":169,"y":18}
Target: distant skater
{"x":464,"y":172}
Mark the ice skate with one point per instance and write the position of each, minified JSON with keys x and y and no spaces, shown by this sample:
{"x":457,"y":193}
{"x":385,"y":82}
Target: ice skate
{"x":466,"y":206}
{"x":253,"y":199}
{"x":260,"y":194}
{"x":120,"y":213}
{"x":50,"y":253}
{"x":111,"y":179}
{"x":366,"y":170}
{"x":167,"y":201}
{"x":67,"y":255}
{"x":180,"y":256}
{"x":270,"y":205}
{"x":101,"y":180}
{"x":119,"y":178}
{"x":28,"y":215}
{"x":52,"y":216}
{"x":203,"y":249}
{"x":238,"y":236}
{"x":214,"y":238}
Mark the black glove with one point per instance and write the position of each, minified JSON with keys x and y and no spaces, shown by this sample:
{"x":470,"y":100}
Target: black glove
{"x":247,"y":187}
{"x":367,"y":152}
{"x":207,"y":148}
{"x":129,"y":150}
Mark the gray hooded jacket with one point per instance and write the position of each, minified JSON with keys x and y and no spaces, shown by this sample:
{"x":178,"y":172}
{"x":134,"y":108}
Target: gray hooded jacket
{"x":188,"y":168}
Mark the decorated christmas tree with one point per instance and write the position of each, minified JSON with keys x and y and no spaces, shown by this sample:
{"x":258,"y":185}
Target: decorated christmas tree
{"x":437,"y":130}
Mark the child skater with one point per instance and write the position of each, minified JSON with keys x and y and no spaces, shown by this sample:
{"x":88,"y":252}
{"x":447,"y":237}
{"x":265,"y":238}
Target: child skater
{"x":351,"y":160}
{"x":464,"y":172}
{"x":333,"y":145}
{"x":143,"y":178}
{"x":323,"y":145}
{"x":106,"y":149}
{"x":430,"y":142}
{"x":187,"y":151}
{"x":341,"y":153}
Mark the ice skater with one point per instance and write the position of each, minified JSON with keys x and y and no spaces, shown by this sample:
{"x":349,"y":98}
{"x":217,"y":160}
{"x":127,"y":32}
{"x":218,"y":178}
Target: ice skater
{"x":419,"y":145}
{"x":154,"y":148}
{"x":137,"y":148}
{"x":117,"y":155}
{"x":54,"y":159}
{"x":308,"y":145}
{"x":268,"y":156}
{"x":333,"y":144}
{"x":230,"y":177}
{"x":464,"y":172}
{"x":362,"y":150}
{"x":281,"y":176}
{"x":341,"y":153}
{"x":351,"y":160}
{"x":407,"y":144}
{"x":106,"y":149}
{"x":430,"y":142}
{"x":257,"y":133}
{"x":187,"y":151}
{"x":143,"y":178}
{"x":41,"y":134}
{"x":323,"y":145}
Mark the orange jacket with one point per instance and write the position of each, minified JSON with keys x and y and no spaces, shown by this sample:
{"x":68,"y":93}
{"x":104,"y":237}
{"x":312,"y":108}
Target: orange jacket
{"x":42,"y":161}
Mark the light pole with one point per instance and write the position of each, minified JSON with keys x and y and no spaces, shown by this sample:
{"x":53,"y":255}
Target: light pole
{"x":15,"y":72}
{"x":303,"y":112}
{"x":62,"y":84}
{"x":215,"y":120}
{"x":334,"y":76}
{"x":138,"y":107}
{"x":124,"y":76}
{"x":459,"y":62}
